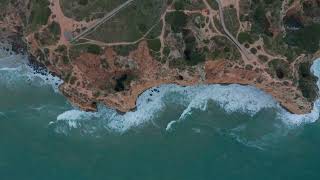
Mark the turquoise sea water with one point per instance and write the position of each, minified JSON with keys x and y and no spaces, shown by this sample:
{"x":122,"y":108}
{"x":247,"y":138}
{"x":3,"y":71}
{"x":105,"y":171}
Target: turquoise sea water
{"x":196,"y":133}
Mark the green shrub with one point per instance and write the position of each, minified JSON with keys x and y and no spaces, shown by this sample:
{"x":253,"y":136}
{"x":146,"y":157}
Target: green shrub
{"x":306,"y":38}
{"x":55,"y":29}
{"x":94,"y":49}
{"x":154,"y":44}
{"x":83,"y":2}
{"x":177,"y":20}
{"x":40,"y":13}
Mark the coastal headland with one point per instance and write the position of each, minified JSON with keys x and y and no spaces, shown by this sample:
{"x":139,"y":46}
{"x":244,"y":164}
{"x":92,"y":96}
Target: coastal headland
{"x":110,"y":51}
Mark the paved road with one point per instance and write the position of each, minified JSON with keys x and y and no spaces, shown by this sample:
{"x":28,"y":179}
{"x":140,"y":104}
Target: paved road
{"x":233,"y":39}
{"x":102,"y":20}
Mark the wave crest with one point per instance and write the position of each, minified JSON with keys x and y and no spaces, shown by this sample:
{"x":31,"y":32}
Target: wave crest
{"x":231,"y":98}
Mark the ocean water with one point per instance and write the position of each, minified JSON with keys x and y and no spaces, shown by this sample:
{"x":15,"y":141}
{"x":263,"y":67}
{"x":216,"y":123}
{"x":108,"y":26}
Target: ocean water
{"x":197,"y":133}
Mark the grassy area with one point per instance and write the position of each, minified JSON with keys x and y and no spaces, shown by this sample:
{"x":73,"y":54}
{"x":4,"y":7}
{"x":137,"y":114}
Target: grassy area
{"x":3,"y":4}
{"x":247,"y":37}
{"x":218,"y":25}
{"x":278,"y":45}
{"x":156,"y":31}
{"x":154,"y":44}
{"x":188,"y":4}
{"x":263,"y":58}
{"x":306,"y":38}
{"x":125,"y":49}
{"x":214,"y":5}
{"x":131,"y":23}
{"x":88,"y":9}
{"x":279,"y":68}
{"x":231,"y":20}
{"x":50,"y":35}
{"x":55,"y":29}
{"x":76,"y":50}
{"x":178,"y":20}
{"x":40,"y":13}
{"x":223,"y":49}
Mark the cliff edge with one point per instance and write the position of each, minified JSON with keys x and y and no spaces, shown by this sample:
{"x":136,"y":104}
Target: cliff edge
{"x":110,"y":51}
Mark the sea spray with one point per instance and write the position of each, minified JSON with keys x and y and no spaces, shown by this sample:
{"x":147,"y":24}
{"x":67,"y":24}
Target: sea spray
{"x":16,"y":67}
{"x":231,"y":98}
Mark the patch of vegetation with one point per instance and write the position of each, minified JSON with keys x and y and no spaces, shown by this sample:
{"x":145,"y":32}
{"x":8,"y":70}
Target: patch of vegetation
{"x":253,"y":50}
{"x":247,"y":37}
{"x":214,"y":5}
{"x":231,"y":20}
{"x":154,"y":44}
{"x":194,"y":57}
{"x":76,"y":50}
{"x":178,"y":20}
{"x":279,"y":68}
{"x":73,"y":80}
{"x":124,"y":50}
{"x":155,"y":32}
{"x":260,"y":24}
{"x":94,"y":49}
{"x":263,"y":58}
{"x":131,"y":23}
{"x":258,"y":16}
{"x":50,"y":35}
{"x":88,"y":9}
{"x":199,"y":21}
{"x":192,"y":54}
{"x":278,"y":45}
{"x":123,"y":82}
{"x":104,"y":63}
{"x":40,"y":13}
{"x":61,"y":49}
{"x":65,"y":59}
{"x":218,"y":25}
{"x":307,"y":81}
{"x":188,"y":4}
{"x":178,"y":63}
{"x":244,"y":8}
{"x":55,"y":29}
{"x":306,"y":38}
{"x":223,"y":49}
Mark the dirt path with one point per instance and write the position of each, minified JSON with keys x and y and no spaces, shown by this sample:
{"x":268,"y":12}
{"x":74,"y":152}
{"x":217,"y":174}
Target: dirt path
{"x":67,"y":25}
{"x":91,"y":41}
{"x":98,"y":23}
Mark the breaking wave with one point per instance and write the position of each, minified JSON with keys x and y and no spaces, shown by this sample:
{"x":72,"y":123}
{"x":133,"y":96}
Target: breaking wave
{"x":232,"y":98}
{"x":15,"y":67}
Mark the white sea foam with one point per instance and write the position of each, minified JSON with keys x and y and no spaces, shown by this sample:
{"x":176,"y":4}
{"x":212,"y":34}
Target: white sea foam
{"x":232,"y":98}
{"x":170,"y":124}
{"x":8,"y":69}
{"x":74,"y":115}
{"x":15,"y":67}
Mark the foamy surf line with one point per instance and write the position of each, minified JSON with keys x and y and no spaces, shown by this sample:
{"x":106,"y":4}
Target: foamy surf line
{"x":15,"y":67}
{"x":232,"y":98}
